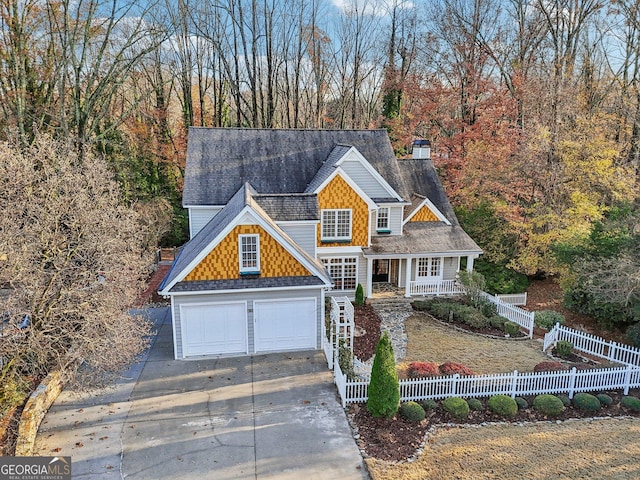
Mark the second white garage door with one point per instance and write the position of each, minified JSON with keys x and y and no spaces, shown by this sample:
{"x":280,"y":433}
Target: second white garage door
{"x":285,"y":324}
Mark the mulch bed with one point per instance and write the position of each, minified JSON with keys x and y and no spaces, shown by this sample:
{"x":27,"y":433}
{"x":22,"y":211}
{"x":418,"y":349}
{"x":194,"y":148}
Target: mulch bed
{"x":396,"y":439}
{"x":368,"y":326}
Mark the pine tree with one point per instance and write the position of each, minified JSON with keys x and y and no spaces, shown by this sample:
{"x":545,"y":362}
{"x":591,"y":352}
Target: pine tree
{"x":384,"y":392}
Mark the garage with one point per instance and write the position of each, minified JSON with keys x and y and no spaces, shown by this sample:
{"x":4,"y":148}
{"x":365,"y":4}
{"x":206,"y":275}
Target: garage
{"x":214,"y":329}
{"x":285,"y":324}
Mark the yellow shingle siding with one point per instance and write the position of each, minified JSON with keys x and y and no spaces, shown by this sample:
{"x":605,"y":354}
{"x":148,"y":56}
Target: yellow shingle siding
{"x":338,"y":194}
{"x":424,"y":215}
{"x":222,"y":262}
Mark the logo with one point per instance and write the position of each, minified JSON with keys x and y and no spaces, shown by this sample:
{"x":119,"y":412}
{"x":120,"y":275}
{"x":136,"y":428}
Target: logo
{"x":35,"y":468}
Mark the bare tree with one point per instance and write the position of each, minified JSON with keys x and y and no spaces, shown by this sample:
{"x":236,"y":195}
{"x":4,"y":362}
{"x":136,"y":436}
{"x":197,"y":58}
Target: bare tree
{"x":72,"y":258}
{"x":99,"y":42}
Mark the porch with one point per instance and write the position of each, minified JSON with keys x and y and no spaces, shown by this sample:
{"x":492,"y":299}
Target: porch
{"x":380,"y":290}
{"x":415,"y":275}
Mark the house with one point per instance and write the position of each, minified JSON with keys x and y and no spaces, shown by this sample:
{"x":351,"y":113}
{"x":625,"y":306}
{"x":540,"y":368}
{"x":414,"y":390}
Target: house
{"x":279,"y":219}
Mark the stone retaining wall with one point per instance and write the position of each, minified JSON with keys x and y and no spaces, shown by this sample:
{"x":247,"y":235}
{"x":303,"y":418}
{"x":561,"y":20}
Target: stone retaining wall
{"x":35,"y":410}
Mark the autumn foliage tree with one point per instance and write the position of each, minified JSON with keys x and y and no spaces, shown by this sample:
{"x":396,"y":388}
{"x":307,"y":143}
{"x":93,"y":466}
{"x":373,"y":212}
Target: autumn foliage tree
{"x":72,"y":261}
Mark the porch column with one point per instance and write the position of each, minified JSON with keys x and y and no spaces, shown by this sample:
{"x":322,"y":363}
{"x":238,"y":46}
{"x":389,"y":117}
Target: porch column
{"x":470,"y":263}
{"x":369,"y":292}
{"x":407,"y":286}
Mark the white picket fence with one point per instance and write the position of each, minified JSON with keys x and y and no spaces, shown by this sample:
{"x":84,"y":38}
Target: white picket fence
{"x":513,"y":384}
{"x":513,"y":298}
{"x":592,"y":345}
{"x":515,"y":314}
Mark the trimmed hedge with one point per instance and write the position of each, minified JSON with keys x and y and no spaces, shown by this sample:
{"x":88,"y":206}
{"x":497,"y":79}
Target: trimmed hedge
{"x":632,"y":403}
{"x":586,"y":402}
{"x":503,"y":405}
{"x":457,"y":407}
{"x":548,"y":405}
{"x":475,"y":405}
{"x":412,"y":411}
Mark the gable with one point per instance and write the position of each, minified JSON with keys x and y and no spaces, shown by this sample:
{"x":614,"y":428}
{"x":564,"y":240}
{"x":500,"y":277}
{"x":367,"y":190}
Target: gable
{"x":365,"y":176}
{"x":338,"y":194}
{"x":424,"y":214}
{"x":222,"y":262}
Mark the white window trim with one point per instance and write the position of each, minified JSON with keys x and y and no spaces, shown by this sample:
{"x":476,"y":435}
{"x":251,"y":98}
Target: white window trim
{"x":431,"y":262}
{"x":326,"y":261}
{"x":335,"y":236}
{"x":387,"y":211}
{"x":241,"y":252}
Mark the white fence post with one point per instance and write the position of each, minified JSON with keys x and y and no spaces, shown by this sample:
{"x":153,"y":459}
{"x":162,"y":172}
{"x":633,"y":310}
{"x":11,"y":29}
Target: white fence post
{"x":454,"y":381}
{"x":627,"y":379}
{"x":572,"y":382}
{"x":514,"y":384}
{"x":612,"y":351}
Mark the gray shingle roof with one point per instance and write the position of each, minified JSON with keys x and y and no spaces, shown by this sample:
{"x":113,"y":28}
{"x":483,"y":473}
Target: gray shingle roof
{"x":282,"y":208}
{"x":328,"y":166}
{"x":220,"y":160}
{"x":420,"y":177}
{"x":424,"y":238}
{"x":245,"y":283}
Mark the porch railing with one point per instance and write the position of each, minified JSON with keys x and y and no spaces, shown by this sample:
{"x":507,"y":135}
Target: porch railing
{"x":435,"y":287}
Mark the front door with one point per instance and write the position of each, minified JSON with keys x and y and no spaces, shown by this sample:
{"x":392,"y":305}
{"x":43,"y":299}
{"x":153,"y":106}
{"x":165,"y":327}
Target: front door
{"x":380,"y":271}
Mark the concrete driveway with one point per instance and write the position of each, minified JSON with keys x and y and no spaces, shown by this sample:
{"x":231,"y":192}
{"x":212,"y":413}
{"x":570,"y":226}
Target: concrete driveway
{"x":270,"y":416}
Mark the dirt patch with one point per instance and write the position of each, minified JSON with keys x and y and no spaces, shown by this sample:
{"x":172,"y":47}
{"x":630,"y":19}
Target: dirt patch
{"x":604,"y":449}
{"x":433,"y":341}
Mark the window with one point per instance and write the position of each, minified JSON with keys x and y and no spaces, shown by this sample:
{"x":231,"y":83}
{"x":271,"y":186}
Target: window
{"x":249,"y":253}
{"x":383,"y":219}
{"x":336,"y":225}
{"x":343,"y":271}
{"x":429,"y":267}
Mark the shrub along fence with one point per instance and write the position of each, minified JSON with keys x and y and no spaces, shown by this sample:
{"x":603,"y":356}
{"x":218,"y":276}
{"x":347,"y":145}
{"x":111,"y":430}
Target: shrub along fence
{"x":513,"y":384}
{"x":592,"y":345}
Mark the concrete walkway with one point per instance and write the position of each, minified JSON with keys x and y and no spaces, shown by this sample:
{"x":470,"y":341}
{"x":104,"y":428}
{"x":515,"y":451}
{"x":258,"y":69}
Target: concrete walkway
{"x":270,"y":416}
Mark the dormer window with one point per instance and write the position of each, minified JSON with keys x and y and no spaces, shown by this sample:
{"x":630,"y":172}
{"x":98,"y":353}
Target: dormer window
{"x":249,"y":250}
{"x":336,"y":225}
{"x":383,"y":220}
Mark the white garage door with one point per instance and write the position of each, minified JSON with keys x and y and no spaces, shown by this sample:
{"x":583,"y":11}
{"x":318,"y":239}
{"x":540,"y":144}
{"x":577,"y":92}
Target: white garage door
{"x":285,"y":324}
{"x":214,"y":329}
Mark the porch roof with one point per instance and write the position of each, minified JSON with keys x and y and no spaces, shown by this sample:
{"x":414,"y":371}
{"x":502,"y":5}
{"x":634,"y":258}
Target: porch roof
{"x":424,"y":238}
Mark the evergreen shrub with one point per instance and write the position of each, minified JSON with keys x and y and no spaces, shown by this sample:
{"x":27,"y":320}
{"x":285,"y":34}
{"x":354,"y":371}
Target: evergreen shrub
{"x":457,"y":407}
{"x":586,"y":402}
{"x":503,"y":405}
{"x":384,"y":391}
{"x":412,"y":411}
{"x":429,"y":404}
{"x":475,"y":405}
{"x":522,"y":403}
{"x":547,"y":319}
{"x":604,"y":399}
{"x":564,"y":349}
{"x":359,"y":295}
{"x":631,"y":403}
{"x":549,"y":405}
